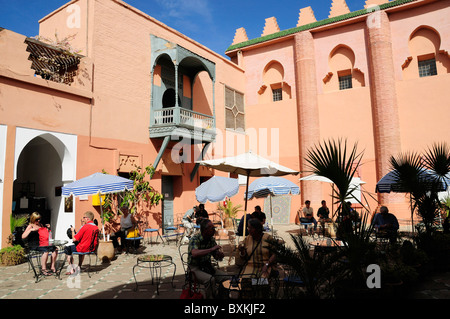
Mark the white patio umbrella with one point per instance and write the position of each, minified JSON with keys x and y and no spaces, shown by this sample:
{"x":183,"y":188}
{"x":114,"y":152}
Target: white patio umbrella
{"x":248,"y":164}
{"x":314,"y":177}
{"x":217,"y":189}
{"x":98,"y":183}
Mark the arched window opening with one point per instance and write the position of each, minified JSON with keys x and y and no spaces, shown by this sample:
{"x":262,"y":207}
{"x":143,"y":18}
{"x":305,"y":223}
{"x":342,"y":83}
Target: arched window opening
{"x":273,"y":78}
{"x":343,"y":75}
{"x":426,"y":56}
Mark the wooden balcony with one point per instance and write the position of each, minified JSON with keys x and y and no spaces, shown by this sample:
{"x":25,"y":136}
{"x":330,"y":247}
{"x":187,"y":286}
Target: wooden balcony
{"x":182,"y":123}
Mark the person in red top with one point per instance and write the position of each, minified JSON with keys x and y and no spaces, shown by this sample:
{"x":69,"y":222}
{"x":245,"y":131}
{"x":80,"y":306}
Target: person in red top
{"x":86,"y":239}
{"x":37,"y":236}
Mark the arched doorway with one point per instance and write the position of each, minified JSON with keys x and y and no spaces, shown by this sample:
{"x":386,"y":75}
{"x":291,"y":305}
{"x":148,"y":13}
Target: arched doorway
{"x":39,"y":174}
{"x":44,"y":162}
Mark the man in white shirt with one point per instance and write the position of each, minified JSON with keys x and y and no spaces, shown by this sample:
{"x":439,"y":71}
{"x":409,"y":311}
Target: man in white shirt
{"x":308,"y":216}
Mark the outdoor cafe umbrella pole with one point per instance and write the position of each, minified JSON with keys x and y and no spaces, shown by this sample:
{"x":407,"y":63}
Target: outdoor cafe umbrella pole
{"x":101,"y":215}
{"x":245,"y":208}
{"x":248,"y":164}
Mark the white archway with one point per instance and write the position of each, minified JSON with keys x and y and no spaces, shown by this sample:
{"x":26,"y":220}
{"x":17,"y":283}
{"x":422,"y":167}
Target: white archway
{"x":65,"y":146}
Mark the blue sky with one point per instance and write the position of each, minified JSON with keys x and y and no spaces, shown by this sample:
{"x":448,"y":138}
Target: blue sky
{"x":212,"y":23}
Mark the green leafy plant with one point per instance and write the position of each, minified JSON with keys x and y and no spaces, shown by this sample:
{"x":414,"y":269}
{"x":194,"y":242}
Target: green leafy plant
{"x":336,"y":161}
{"x":332,"y":159}
{"x":422,"y":176}
{"x":229,"y":213}
{"x":14,"y":222}
{"x":314,"y":270}
{"x":229,"y":210}
{"x":142,"y":194}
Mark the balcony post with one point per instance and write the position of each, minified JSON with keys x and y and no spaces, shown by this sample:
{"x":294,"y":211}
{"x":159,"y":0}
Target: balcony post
{"x":152,"y":114}
{"x":214,"y":103}
{"x":176,"y":115}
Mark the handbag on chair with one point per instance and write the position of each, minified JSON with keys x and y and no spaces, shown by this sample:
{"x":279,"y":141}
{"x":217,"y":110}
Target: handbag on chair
{"x":191,"y":290}
{"x":191,"y":293}
{"x":133,"y":233}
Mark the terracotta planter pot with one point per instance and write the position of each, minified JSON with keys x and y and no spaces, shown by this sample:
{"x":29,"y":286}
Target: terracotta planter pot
{"x":105,"y":251}
{"x":228,"y":223}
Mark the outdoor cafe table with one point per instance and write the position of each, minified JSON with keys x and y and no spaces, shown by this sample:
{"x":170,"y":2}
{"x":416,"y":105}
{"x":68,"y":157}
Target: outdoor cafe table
{"x":154,"y":263}
{"x":34,"y":259}
{"x":246,"y":286}
{"x":325,"y":246}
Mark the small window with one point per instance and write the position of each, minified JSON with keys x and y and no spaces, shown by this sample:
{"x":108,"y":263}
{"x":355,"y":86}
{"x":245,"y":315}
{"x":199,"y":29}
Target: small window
{"x":234,"y":110}
{"x":277,"y":95}
{"x":427,"y":68}
{"x":345,"y":82}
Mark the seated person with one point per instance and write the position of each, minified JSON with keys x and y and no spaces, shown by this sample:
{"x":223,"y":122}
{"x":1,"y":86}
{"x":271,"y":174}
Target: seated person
{"x":386,"y":224}
{"x":259,"y":214}
{"x":37,"y":237}
{"x":260,"y":259}
{"x":308,"y":215}
{"x":202,"y":247}
{"x":84,"y":240}
{"x":240,"y":230}
{"x":200,"y":214}
{"x":127,"y":222}
{"x":324,"y":213}
{"x":188,"y":223}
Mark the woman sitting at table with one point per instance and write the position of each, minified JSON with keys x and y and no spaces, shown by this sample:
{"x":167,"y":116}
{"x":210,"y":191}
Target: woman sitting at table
{"x":255,"y":250}
{"x":37,"y":237}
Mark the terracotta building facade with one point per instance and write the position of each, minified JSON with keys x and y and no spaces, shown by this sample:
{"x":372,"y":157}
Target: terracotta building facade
{"x":139,"y":93}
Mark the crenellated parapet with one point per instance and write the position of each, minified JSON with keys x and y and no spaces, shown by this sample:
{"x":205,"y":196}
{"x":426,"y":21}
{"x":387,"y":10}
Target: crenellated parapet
{"x":306,"y":16}
{"x":338,"y":7}
{"x":240,"y":36}
{"x":271,"y":26}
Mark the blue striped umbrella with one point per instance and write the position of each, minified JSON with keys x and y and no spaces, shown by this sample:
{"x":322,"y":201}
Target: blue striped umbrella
{"x":391,"y":183}
{"x":98,"y":183}
{"x":271,"y":185}
{"x":264,"y":186}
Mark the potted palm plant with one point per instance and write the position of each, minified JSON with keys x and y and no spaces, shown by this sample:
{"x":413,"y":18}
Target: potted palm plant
{"x":15,"y":222}
{"x":333,"y":160}
{"x":229,"y":213}
{"x":15,"y":254}
{"x":422,"y":175}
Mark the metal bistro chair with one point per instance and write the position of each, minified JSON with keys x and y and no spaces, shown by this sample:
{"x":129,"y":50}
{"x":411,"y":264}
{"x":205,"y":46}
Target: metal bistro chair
{"x":190,"y":280}
{"x":307,"y":227}
{"x":34,"y":263}
{"x":92,"y":250}
{"x":170,"y":230}
{"x":134,"y":240}
{"x":293,"y":284}
{"x":148,"y":234}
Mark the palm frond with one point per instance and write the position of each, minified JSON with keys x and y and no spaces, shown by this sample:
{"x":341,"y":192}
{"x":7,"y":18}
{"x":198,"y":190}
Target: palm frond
{"x":334,"y":161}
{"x":437,"y":158}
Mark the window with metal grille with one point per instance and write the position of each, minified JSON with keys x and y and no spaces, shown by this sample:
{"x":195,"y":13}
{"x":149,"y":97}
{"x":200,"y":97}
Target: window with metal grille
{"x":345,"y":82}
{"x":427,"y":67}
{"x":277,"y":95}
{"x":234,"y":109}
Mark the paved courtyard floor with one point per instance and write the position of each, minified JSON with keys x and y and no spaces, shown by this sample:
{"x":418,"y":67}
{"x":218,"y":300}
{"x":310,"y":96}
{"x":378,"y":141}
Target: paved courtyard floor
{"x":115,"y":280}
